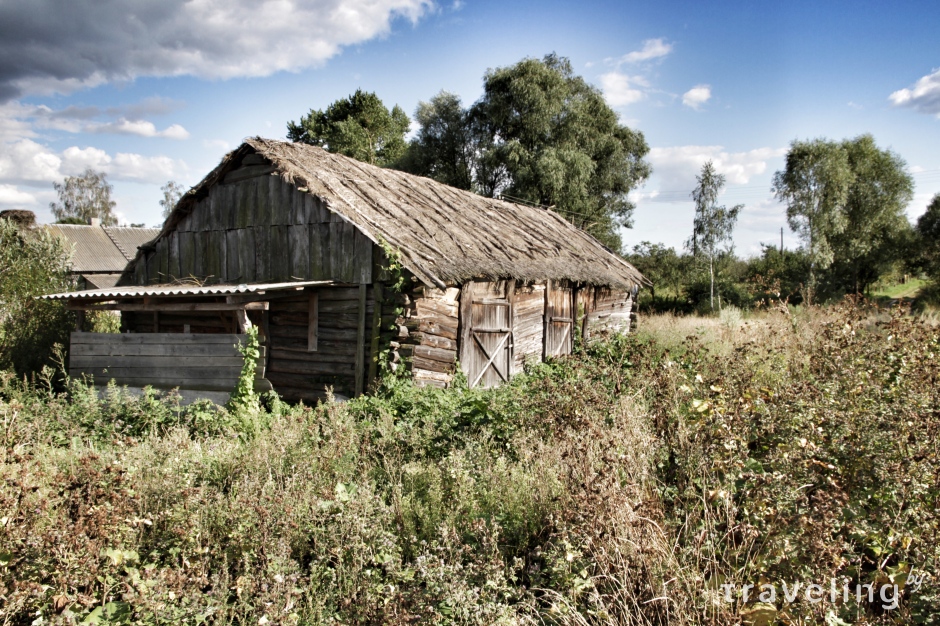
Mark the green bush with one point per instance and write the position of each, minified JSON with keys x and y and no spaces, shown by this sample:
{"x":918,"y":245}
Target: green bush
{"x":33,"y":263}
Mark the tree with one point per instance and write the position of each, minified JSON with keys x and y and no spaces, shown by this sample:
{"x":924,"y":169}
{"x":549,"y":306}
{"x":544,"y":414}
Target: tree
{"x":928,"y":234}
{"x":359,"y":126}
{"x":713,"y":224}
{"x":661,"y":265}
{"x":83,"y":198}
{"x":543,"y":135}
{"x":172,"y":192}
{"x":815,"y":184}
{"x":444,"y":148}
{"x":876,"y":222}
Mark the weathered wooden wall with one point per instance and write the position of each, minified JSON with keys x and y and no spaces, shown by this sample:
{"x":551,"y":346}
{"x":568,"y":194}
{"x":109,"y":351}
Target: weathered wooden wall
{"x":606,"y":311}
{"x":528,"y":325}
{"x":296,"y":372}
{"x":201,"y":322}
{"x":162,"y":360}
{"x":259,"y":229}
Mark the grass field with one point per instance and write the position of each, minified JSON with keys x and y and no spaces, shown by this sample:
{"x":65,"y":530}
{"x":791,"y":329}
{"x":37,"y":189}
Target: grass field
{"x":645,"y":480}
{"x":908,"y":290}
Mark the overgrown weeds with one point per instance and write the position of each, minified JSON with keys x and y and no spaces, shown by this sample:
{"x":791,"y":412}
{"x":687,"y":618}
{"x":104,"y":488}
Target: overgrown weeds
{"x":626,"y":485}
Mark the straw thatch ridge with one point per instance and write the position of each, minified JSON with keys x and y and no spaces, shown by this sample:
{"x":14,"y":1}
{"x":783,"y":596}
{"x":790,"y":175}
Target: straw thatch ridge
{"x":444,"y":235}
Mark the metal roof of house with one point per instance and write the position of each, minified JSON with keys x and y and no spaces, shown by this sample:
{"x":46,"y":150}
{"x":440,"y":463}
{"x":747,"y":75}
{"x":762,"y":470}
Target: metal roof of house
{"x":102,"y":249}
{"x":181,"y":290}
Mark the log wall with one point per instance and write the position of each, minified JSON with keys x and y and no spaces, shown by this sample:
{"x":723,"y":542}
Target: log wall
{"x":425,"y":334}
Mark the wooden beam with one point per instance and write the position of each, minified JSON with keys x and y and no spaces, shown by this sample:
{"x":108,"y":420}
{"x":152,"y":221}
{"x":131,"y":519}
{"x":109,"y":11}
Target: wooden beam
{"x":313,"y":321}
{"x":376,"y":331}
{"x":170,"y":306}
{"x":361,"y":340}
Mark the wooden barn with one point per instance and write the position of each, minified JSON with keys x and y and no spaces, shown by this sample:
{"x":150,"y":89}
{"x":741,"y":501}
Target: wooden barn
{"x":347,"y":268}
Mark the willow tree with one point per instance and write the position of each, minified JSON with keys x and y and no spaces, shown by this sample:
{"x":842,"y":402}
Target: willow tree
{"x":815,"y":184}
{"x":539,"y":134}
{"x":877,"y":227}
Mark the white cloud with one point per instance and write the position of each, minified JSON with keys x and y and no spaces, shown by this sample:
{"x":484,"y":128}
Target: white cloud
{"x":697,"y":96}
{"x":91,"y":42}
{"x":27,"y":162}
{"x":676,"y":167}
{"x":140,"y":128}
{"x":652,"y":49}
{"x":9,"y":194}
{"x":923,"y":97}
{"x":138,"y":168}
{"x":621,"y":90}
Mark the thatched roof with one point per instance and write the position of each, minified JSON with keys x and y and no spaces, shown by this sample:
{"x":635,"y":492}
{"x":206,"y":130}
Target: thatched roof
{"x":444,"y":235}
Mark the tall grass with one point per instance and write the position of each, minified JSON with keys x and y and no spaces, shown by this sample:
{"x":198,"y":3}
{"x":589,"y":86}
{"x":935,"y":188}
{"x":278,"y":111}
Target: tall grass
{"x":622,"y":485}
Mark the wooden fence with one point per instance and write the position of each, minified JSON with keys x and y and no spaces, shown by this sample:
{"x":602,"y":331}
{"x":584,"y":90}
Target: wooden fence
{"x":204,"y":362}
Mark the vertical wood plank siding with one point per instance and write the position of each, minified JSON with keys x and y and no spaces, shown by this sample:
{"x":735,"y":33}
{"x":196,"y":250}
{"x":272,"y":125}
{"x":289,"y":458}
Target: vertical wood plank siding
{"x":294,"y":371}
{"x":255,"y":230}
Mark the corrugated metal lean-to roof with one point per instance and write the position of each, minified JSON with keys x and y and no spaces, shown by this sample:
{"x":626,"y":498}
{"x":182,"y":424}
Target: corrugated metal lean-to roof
{"x":181,"y":290}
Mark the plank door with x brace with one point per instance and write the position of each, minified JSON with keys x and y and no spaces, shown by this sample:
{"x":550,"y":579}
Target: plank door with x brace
{"x":486,"y":339}
{"x":559,"y":319}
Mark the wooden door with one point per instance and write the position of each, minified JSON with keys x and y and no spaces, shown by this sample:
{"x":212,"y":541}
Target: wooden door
{"x":486,"y":337}
{"x":559,"y":319}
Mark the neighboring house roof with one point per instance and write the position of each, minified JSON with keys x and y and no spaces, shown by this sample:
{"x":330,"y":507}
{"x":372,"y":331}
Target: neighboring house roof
{"x":101,"y":281}
{"x":102,"y":249}
{"x":443,"y":234}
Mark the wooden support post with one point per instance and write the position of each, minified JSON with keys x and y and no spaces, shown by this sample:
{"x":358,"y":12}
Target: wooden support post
{"x":79,"y":321}
{"x":464,"y":319}
{"x":361,"y":340}
{"x":156,"y":321}
{"x":376,"y":331}
{"x":313,"y":321}
{"x":241,"y":318}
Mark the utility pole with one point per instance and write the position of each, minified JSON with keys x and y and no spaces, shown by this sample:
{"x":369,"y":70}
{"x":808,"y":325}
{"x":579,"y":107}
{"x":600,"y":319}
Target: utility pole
{"x":781,"y":241}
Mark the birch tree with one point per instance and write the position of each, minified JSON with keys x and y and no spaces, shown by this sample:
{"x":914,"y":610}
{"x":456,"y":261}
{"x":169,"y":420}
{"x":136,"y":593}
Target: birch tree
{"x":84,"y":197}
{"x":713,"y":225}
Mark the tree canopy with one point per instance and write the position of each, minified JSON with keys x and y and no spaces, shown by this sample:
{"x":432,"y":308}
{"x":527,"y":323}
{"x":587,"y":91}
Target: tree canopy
{"x":84,"y":197}
{"x":539,"y":134}
{"x":359,"y":126}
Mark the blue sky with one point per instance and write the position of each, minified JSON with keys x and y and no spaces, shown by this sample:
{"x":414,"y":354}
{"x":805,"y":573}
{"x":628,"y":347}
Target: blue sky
{"x":158,"y":90}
